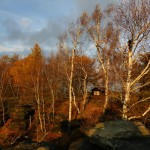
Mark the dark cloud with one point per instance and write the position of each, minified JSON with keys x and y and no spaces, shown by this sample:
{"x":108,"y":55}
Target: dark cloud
{"x":13,"y":30}
{"x":12,"y":40}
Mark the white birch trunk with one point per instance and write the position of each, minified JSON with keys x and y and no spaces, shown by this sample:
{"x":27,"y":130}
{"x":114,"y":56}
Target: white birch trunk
{"x":70,"y":105}
{"x":126,"y":102}
{"x":85,"y":92}
{"x":70,"y":88}
{"x":39,"y":104}
{"x":106,"y":86}
{"x":106,"y":93}
{"x":105,"y":68}
{"x":74,"y":100}
{"x":39,"y":114}
{"x":52,"y":93}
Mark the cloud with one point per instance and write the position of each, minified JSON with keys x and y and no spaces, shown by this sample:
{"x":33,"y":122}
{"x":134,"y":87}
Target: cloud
{"x":12,"y":49}
{"x":28,"y":31}
{"x":20,"y":40}
{"x":4,"y":48}
{"x":49,"y":34}
{"x":42,"y":24}
{"x":25,"y":22}
{"x":13,"y":31}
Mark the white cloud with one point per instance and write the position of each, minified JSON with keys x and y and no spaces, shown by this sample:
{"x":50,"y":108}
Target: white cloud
{"x":12,"y":48}
{"x":4,"y":48}
{"x":25,"y":22}
{"x":17,"y":48}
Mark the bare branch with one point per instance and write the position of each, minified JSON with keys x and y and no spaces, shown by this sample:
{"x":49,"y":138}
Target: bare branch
{"x":144,"y":100}
{"x":146,"y":111}
{"x":100,"y":60}
{"x":144,"y":29}
{"x":136,"y":117}
{"x":140,"y":86}
{"x":145,"y":71}
{"x":119,"y":76}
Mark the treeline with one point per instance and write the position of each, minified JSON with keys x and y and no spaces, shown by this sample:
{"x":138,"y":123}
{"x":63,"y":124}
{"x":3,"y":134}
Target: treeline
{"x":117,"y":38}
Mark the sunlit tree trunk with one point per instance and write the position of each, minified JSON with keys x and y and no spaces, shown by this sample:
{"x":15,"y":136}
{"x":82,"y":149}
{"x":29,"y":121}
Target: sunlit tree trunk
{"x":73,"y":37}
{"x":39,"y":103}
{"x":126,"y":102}
{"x":70,"y":86}
{"x":105,"y":68}
{"x":85,"y":91}
{"x":105,"y":40}
{"x":135,"y":27}
{"x":106,"y":88}
{"x":52,"y":92}
{"x":74,"y":100}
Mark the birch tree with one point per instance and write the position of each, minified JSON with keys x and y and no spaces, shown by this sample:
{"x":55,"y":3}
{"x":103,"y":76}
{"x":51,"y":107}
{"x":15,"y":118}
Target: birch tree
{"x":104,"y":39}
{"x":132,"y":16}
{"x":52,"y":72}
{"x":85,"y":75}
{"x":70,"y":43}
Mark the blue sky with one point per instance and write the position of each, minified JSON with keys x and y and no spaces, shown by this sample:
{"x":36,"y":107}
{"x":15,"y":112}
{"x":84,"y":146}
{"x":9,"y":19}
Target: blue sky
{"x":25,"y":22}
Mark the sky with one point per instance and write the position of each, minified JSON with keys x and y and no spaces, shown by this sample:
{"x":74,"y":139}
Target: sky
{"x":25,"y":22}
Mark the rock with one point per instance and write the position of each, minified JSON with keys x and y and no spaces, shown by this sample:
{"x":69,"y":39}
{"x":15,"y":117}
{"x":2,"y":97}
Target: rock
{"x":90,"y":132}
{"x":118,"y":129}
{"x":68,"y":138}
{"x":119,"y":135}
{"x":83,"y":144}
